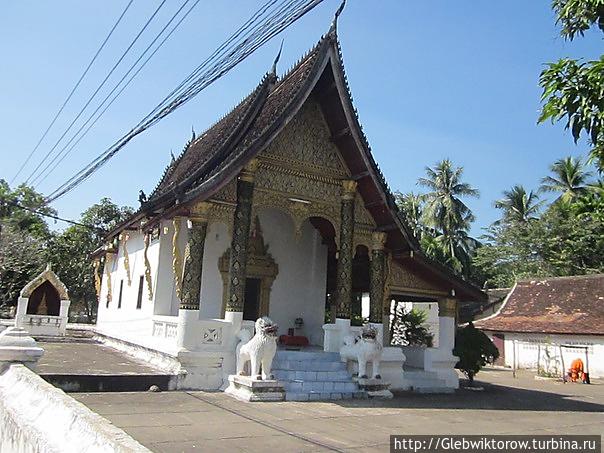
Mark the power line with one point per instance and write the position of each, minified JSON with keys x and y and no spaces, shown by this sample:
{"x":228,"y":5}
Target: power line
{"x":66,"y":150}
{"x":97,"y":90}
{"x":44,"y":214}
{"x":72,"y":91}
{"x":277,"y":21}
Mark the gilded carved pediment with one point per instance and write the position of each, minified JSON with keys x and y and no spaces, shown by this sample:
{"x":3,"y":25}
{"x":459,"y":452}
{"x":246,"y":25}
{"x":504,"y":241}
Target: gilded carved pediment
{"x":306,"y":142}
{"x":403,"y":278}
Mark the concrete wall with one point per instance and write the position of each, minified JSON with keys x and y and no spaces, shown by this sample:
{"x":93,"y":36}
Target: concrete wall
{"x":37,"y":417}
{"x":533,"y":349}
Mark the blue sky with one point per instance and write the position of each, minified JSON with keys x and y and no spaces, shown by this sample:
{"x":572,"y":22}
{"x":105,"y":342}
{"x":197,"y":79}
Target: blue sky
{"x":430,"y":79}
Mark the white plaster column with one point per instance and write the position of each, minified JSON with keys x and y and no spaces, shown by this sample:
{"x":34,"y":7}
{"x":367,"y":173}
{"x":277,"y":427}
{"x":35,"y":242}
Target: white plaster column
{"x":64,"y":316}
{"x":446,"y":325}
{"x":441,"y":360}
{"x":21,"y":311}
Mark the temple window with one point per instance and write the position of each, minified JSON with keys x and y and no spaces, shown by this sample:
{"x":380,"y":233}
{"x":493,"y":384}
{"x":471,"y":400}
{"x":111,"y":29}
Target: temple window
{"x":119,"y":299}
{"x":139,"y":298}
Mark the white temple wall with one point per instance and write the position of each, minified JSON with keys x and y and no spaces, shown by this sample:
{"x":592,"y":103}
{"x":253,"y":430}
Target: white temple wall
{"x":526,"y":350}
{"x":218,"y":240}
{"x":128,"y":318}
{"x":166,"y":302}
{"x":299,"y":289}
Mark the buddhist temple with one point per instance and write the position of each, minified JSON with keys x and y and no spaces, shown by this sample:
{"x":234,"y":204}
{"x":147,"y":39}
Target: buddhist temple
{"x":278,"y":209}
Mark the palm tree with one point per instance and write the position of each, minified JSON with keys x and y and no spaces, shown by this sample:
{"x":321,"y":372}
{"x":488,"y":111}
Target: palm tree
{"x":411,"y":206}
{"x":519,"y":206}
{"x":569,"y":177}
{"x":445,"y":211}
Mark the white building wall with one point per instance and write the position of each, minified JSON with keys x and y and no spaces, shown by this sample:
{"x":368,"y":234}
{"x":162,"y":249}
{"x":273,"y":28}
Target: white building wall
{"x":165,"y":300}
{"x":218,"y":240}
{"x":529,"y":350}
{"x":299,"y":289}
{"x":113,"y":320}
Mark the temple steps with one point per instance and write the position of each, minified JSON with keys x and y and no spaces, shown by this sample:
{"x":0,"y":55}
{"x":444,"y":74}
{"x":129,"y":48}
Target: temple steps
{"x":314,"y":376}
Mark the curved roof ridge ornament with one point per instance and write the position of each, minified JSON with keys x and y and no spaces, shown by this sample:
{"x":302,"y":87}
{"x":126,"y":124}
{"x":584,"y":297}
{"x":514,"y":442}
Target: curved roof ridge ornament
{"x":46,"y":275}
{"x":273,"y":71}
{"x":334,"y":24}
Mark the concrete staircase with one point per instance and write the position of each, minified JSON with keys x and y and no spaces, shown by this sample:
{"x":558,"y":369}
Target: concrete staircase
{"x":314,"y":376}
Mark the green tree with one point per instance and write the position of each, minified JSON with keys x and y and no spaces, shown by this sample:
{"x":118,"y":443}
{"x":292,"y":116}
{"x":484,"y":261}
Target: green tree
{"x":474,"y":350}
{"x":23,"y":209}
{"x":21,"y":258}
{"x":566,"y":239}
{"x":448,"y":216}
{"x":573,"y":90}
{"x":408,"y":327}
{"x":570,"y":178}
{"x":518,"y":205}
{"x":411,"y":205}
{"x":23,"y":235}
{"x":70,"y":251}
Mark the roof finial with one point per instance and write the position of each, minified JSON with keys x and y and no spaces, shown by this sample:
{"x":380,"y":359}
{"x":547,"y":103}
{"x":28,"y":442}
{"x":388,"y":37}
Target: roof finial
{"x":334,"y":23}
{"x":274,"y":68}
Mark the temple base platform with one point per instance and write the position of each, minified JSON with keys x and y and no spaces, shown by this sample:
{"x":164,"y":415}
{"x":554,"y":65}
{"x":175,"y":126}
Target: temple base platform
{"x":245,"y":388}
{"x":375,"y":388}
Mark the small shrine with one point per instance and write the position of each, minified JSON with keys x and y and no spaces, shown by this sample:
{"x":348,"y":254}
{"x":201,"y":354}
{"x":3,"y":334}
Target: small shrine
{"x":43,"y":305}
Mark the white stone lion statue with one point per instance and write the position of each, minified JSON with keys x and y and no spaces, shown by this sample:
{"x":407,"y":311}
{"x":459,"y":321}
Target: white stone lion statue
{"x":363,"y":349}
{"x":259,"y":350}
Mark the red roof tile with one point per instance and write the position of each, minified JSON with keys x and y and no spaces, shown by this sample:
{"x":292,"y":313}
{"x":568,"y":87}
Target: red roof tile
{"x":564,"y":305}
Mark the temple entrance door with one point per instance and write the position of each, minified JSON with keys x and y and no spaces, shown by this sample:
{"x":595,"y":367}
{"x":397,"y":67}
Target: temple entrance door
{"x":251,"y":303}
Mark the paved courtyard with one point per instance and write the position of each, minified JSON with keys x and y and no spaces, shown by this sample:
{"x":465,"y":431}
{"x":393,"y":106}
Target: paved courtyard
{"x":201,"y":421}
{"x":88,"y":357}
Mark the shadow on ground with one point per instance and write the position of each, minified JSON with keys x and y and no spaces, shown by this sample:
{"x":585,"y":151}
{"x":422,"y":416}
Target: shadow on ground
{"x":553,"y":397}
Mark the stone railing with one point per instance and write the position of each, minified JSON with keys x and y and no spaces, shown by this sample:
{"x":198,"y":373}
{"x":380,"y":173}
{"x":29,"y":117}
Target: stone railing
{"x":165,"y":327}
{"x":41,"y":320}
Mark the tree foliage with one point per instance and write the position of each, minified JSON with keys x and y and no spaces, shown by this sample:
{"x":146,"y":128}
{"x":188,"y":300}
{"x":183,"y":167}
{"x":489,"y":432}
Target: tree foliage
{"x":16,"y":206}
{"x":440,"y":219}
{"x":408,"y":327}
{"x":578,"y":16}
{"x":566,"y":239}
{"x":21,"y":258}
{"x":70,"y":251}
{"x":569,"y":177}
{"x":573,"y":90}
{"x":474,"y":350}
{"x":518,"y":205}
{"x":27,"y":244}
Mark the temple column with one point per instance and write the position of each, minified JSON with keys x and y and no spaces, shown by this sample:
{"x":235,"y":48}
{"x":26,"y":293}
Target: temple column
{"x":239,"y":243}
{"x":188,"y":313}
{"x":446,"y":325}
{"x":191,"y":279}
{"x":441,"y":360}
{"x":335,"y":333}
{"x":346,"y":252}
{"x":377,"y":267}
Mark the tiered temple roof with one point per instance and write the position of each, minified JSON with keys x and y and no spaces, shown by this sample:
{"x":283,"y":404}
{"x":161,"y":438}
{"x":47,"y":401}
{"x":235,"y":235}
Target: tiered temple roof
{"x":215,"y":158}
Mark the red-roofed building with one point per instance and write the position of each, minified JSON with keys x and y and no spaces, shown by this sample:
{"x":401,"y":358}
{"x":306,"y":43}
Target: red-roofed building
{"x":539,"y":316}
